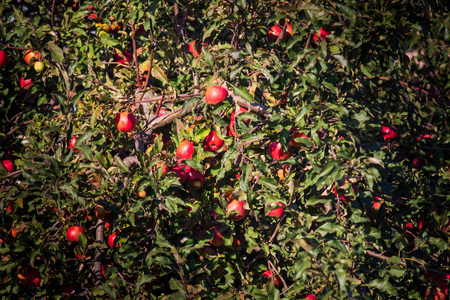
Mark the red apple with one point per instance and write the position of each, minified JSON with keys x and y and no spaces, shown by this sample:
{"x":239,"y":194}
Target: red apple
{"x":276,"y":30}
{"x":236,"y":210}
{"x":276,"y":151}
{"x":311,"y":297}
{"x":276,"y":279}
{"x":293,"y":143}
{"x":26,"y":83}
{"x":9,"y":165}
{"x":72,"y":144}
{"x":3,"y":58}
{"x":230,"y":127}
{"x":92,"y":16}
{"x":388,"y":133}
{"x":32,"y":277}
{"x":195,"y":177}
{"x":213,"y":142}
{"x":185,"y":150}
{"x":111,"y":239}
{"x":217,"y":240}
{"x":215,"y":94}
{"x":73,"y":232}
{"x":179,"y":171}
{"x":122,"y":58}
{"x":377,"y":203}
{"x":277,"y":212}
{"x":418,"y":163}
{"x":346,"y":198}
{"x":423,"y":136}
{"x":125,"y":122}
{"x":196,"y":51}
{"x":322,"y":35}
{"x":32,"y":56}
{"x":437,"y":293}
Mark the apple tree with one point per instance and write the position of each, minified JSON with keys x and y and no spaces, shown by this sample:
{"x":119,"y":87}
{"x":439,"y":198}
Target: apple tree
{"x":224,"y":149}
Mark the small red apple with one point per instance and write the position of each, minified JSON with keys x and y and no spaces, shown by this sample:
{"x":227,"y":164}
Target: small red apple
{"x":276,"y":279}
{"x":32,"y":56}
{"x":26,"y":83}
{"x":215,"y":94}
{"x":9,"y":165}
{"x":418,"y":163}
{"x":236,"y":210}
{"x":276,"y":212}
{"x":230,"y":127}
{"x":437,"y":294}
{"x":122,"y":58}
{"x":322,"y":35}
{"x":179,"y":171}
{"x":3,"y":58}
{"x":423,"y":136}
{"x":73,"y":232}
{"x":195,"y":177}
{"x":32,"y":277}
{"x":388,"y":133}
{"x":185,"y":150}
{"x":213,"y":142}
{"x":111,"y":239}
{"x":346,"y":198}
{"x":311,"y":297}
{"x":217,"y":240}
{"x":72,"y":142}
{"x":276,"y":151}
{"x":125,"y":122}
{"x":293,"y":143}
{"x":377,"y":203}
{"x":276,"y":30}
{"x":94,"y":15}
{"x":196,"y":51}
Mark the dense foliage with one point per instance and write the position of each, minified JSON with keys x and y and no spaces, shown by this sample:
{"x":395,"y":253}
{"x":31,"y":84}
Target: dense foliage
{"x":353,"y":202}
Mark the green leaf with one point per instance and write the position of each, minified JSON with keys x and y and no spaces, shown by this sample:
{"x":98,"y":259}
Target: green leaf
{"x":176,"y":285}
{"x":242,"y":92}
{"x":384,"y":285}
{"x":56,"y":52}
{"x":159,"y":74}
{"x":268,"y":183}
{"x":108,"y":290}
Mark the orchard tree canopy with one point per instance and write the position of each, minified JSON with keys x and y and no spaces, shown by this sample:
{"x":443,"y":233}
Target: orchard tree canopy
{"x":238,"y":149}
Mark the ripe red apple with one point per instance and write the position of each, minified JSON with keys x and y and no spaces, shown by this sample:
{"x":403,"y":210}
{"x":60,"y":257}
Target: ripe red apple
{"x":9,"y":165}
{"x":94,"y":15}
{"x":125,"y":122}
{"x":32,"y":277}
{"x":293,"y":143}
{"x":276,"y":279}
{"x":3,"y":58}
{"x":213,"y":142}
{"x":346,"y":198}
{"x":276,"y":151}
{"x":73,"y":232}
{"x":322,"y":35}
{"x":195,"y":177}
{"x":196,"y":51}
{"x":437,"y":293}
{"x":122,"y":58}
{"x":377,"y":203}
{"x":217,"y":240}
{"x":185,"y":150}
{"x":236,"y":210}
{"x":423,"y":136}
{"x":311,"y":297}
{"x":388,"y":133}
{"x":418,"y":163}
{"x":32,"y":56}
{"x":215,"y":94}
{"x":111,"y":239}
{"x":72,"y":142}
{"x":230,"y":127}
{"x":277,"y":212}
{"x":276,"y":30}
{"x":179,"y":171}
{"x":26,"y":83}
